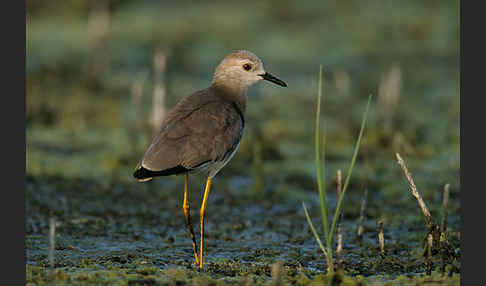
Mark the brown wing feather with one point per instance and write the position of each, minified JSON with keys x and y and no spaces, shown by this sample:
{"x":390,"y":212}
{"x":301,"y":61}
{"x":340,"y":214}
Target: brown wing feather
{"x":200,"y":128}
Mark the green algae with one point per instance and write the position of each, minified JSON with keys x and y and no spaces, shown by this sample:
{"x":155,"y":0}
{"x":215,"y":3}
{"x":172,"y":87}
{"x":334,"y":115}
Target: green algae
{"x":115,"y":242}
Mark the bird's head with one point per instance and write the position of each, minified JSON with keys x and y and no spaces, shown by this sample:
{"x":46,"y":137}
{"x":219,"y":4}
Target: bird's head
{"x":241,"y":69}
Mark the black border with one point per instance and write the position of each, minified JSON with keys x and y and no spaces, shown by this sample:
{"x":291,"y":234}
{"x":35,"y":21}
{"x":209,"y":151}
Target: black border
{"x":472,"y":124}
{"x":13,"y":23}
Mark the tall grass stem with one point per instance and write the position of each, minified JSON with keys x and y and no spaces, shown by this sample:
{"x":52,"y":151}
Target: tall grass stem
{"x":350,"y":170}
{"x":321,"y":184}
{"x":320,"y":166}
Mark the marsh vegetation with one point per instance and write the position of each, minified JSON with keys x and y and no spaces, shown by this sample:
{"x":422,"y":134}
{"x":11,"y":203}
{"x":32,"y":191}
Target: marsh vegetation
{"x":90,"y":84}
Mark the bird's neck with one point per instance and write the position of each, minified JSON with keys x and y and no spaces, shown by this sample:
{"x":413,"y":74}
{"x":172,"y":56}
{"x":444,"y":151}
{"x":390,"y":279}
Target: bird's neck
{"x":233,"y":93}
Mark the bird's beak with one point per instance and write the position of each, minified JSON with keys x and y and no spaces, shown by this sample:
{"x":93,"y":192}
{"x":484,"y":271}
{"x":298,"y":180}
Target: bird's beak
{"x":272,"y":78}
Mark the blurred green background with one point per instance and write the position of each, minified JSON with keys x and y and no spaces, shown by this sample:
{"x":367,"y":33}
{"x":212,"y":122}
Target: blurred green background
{"x":85,"y":57}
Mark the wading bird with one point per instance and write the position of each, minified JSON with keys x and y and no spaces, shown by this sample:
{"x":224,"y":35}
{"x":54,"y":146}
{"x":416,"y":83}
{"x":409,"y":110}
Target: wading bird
{"x":202,"y":132}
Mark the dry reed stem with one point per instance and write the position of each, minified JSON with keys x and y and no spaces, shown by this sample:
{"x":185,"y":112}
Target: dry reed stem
{"x":389,"y":93}
{"x":362,"y":214}
{"x":99,"y":20}
{"x":430,"y":242}
{"x":342,"y":82}
{"x":443,"y":251}
{"x":137,"y":93}
{"x":158,"y":104}
{"x":52,"y":240}
{"x":445,"y":199}
{"x":277,"y":273}
{"x":381,"y":238}
{"x":339,"y":247}
{"x":98,"y":29}
{"x":415,"y":193}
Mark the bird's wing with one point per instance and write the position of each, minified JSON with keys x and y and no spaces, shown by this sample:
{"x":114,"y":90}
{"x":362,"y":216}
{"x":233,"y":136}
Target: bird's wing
{"x":196,"y":130}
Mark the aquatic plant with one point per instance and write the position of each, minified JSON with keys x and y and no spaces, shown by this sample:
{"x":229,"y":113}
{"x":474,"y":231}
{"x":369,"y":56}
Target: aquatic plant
{"x":321,"y":184}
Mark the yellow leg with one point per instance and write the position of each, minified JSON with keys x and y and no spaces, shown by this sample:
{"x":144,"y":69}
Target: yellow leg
{"x":203,"y":208}
{"x":187,"y":213}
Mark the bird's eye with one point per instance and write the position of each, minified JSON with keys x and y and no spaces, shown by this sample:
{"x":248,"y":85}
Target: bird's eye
{"x":247,"y":67}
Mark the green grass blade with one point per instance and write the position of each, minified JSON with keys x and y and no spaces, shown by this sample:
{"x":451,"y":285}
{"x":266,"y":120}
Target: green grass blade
{"x":309,"y":221}
{"x":322,"y":191}
{"x":350,"y":170}
{"x":319,"y":172}
{"x":316,"y":143}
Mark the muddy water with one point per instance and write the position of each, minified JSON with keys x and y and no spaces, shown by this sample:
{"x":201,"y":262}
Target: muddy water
{"x":113,"y":232}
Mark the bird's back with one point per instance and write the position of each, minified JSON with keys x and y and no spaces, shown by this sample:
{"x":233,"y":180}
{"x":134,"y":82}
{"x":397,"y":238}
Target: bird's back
{"x":201,"y":129}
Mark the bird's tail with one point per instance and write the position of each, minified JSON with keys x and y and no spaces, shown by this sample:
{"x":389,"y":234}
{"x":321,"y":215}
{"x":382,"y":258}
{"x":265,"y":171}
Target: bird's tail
{"x":141,"y":174}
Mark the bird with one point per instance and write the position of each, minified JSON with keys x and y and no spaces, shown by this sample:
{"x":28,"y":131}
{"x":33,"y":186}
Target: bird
{"x":202,"y":132}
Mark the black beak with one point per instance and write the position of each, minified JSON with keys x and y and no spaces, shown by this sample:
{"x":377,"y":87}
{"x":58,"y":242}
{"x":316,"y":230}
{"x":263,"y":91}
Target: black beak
{"x":272,"y":78}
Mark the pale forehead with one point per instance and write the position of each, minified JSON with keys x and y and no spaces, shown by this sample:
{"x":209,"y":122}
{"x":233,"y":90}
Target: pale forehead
{"x":242,"y":55}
